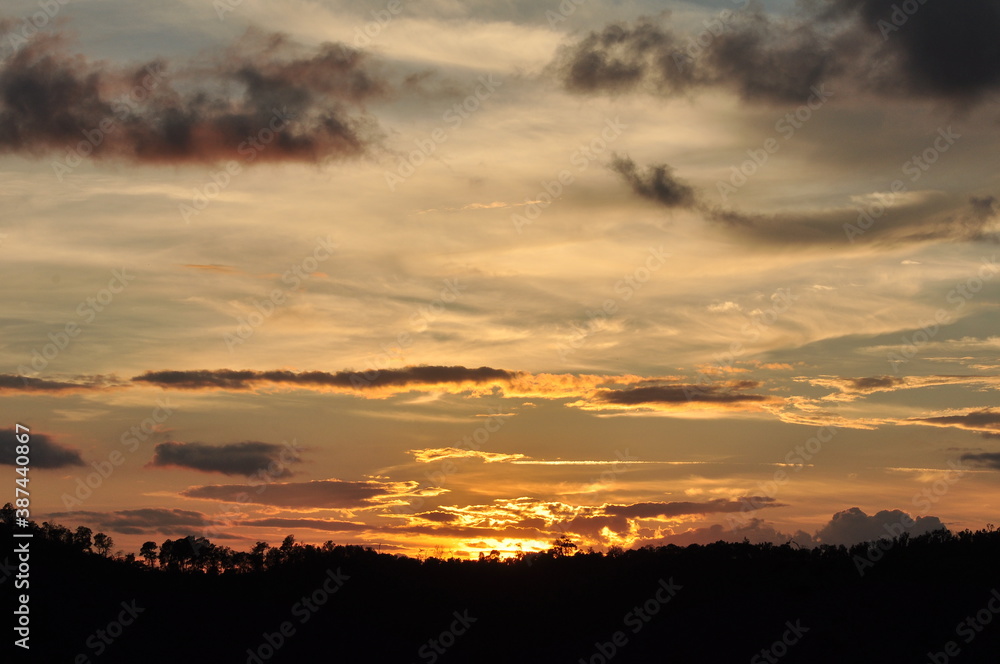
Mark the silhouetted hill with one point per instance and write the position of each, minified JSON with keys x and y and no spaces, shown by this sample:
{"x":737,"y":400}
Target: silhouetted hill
{"x":719,"y":603}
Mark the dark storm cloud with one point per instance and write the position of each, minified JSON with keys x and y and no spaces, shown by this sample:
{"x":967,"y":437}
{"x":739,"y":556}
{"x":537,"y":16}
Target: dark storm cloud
{"x":43,"y":451}
{"x":307,"y":105}
{"x":246,"y":458}
{"x":655,"y":182}
{"x":245,"y":380}
{"x":318,"y":494}
{"x":946,"y":50}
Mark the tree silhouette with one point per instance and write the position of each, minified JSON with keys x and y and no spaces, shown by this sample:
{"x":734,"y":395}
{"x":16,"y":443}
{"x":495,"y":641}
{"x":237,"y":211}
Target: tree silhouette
{"x":149,"y":552}
{"x":103,"y":544}
{"x":562,"y":546}
{"x":82,"y":539}
{"x":227,"y":598}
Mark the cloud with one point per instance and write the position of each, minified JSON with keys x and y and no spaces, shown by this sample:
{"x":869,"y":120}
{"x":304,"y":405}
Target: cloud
{"x":16,"y":383}
{"x":678,"y":397}
{"x":314,"y":524}
{"x":985,"y":421}
{"x":317,"y":494}
{"x":989,"y":460}
{"x":849,"y":389}
{"x":344,"y":380}
{"x":145,"y":521}
{"x":430,"y":455}
{"x":44,"y":452}
{"x":672,"y":509}
{"x":654,"y":182}
{"x":755,"y":530}
{"x":246,"y":458}
{"x":912,"y":218}
{"x":679,"y":394}
{"x":378,"y":384}
{"x":946,"y":51}
{"x":298,"y":104}
{"x":438,"y":516}
{"x":868,"y":385}
{"x":853,"y":526}
{"x":598,"y":524}
{"x":619,"y":58}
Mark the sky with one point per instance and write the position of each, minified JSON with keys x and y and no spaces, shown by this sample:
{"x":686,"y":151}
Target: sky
{"x":445,"y":278}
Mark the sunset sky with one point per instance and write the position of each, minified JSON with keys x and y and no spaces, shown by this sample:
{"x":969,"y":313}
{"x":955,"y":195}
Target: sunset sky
{"x":454,"y":277}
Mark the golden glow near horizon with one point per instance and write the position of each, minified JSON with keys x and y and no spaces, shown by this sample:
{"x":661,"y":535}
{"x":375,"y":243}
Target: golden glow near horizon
{"x":458,"y":289}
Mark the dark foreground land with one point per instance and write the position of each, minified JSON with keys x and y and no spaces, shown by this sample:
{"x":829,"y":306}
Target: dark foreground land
{"x":933,"y":598}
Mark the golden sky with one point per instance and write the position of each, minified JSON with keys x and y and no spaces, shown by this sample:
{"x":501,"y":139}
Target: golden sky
{"x":454,"y":277}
